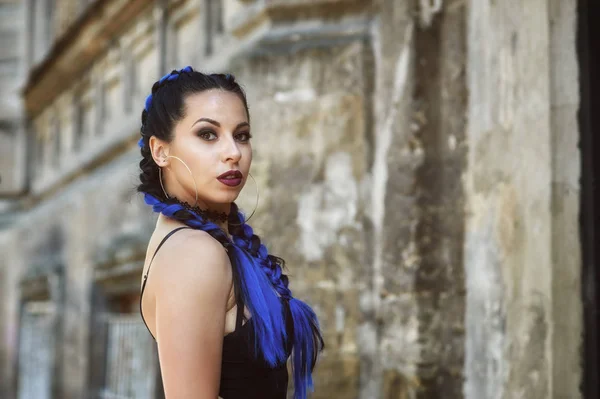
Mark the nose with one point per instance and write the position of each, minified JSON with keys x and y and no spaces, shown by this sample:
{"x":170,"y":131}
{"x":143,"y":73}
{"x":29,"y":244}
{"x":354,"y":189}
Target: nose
{"x":231,"y":152}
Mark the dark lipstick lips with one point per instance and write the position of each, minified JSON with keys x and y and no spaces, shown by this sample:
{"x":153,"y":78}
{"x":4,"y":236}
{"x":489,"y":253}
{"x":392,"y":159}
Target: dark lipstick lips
{"x":233,"y":178}
{"x":232,"y":174}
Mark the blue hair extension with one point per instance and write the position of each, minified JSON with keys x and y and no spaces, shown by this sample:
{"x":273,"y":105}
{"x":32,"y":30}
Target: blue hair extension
{"x":171,"y":76}
{"x":265,"y":306}
{"x":161,"y":80}
{"x":170,"y":209}
{"x":305,"y":347}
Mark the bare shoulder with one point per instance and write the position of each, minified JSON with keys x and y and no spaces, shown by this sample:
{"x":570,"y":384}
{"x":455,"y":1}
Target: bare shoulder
{"x":193,"y":281}
{"x":192,"y":257}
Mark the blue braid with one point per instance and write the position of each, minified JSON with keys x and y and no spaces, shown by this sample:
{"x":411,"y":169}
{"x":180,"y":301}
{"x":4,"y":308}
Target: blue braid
{"x":170,"y":77}
{"x":305,"y":320}
{"x":261,"y":280}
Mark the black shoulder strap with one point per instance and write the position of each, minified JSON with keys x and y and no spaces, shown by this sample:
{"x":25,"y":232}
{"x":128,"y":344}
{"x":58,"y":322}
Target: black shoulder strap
{"x":148,"y":271}
{"x":160,"y":245}
{"x":239,"y":318}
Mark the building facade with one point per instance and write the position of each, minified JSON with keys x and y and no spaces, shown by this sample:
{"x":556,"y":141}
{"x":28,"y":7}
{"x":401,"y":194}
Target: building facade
{"x":418,"y":168}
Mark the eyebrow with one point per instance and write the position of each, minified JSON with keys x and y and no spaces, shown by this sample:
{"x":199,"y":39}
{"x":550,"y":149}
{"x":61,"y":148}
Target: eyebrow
{"x":214,"y":122}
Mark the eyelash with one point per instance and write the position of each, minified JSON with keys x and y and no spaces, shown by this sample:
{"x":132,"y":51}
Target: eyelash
{"x":203,"y":134}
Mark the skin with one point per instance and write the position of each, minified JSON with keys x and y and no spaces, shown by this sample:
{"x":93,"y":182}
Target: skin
{"x":189,"y":306}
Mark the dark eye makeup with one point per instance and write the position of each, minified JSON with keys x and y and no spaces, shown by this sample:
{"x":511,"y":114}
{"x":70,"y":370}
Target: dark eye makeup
{"x":247,"y":136}
{"x":205,"y":135}
{"x":243,"y":137}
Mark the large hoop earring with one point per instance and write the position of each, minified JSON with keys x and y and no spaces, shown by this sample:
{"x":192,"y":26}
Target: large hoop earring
{"x":255,"y":206}
{"x":189,"y":170}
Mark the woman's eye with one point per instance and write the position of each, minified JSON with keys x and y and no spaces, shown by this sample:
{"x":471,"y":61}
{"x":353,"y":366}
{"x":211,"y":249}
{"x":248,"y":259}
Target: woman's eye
{"x":206,"y":135}
{"x":243,"y":137}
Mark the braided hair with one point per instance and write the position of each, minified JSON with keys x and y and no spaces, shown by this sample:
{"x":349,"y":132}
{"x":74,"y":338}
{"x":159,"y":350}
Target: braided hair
{"x":257,"y":275}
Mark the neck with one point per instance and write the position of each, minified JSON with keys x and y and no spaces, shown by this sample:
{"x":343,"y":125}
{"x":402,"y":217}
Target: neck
{"x":225,"y":229}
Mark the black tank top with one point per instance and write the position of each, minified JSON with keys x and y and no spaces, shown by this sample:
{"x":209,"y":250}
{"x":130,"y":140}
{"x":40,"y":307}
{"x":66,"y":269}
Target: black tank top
{"x":242,"y":375}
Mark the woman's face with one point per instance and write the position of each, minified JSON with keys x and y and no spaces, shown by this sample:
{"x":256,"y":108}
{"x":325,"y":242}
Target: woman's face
{"x":212,"y":139}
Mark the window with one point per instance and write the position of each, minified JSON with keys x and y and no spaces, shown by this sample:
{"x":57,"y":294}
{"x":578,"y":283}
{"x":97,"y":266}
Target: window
{"x":56,"y":139}
{"x":77,"y":122}
{"x":100,"y":105}
{"x":37,"y":350}
{"x":130,"y":359}
{"x":41,"y":298}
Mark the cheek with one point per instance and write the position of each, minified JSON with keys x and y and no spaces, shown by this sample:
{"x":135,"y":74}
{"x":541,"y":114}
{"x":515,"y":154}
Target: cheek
{"x":202,"y":161}
{"x":248,"y":153}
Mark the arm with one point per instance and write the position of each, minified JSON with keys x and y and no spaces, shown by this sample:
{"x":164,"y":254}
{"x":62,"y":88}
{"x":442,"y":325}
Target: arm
{"x":191,"y":299}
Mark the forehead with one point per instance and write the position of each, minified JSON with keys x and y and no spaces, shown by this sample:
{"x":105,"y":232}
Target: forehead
{"x":220,"y":105}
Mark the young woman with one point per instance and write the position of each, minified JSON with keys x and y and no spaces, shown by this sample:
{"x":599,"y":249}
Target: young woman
{"x":217,"y":304}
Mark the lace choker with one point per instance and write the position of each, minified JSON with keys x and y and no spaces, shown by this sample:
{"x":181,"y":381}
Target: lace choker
{"x":213,"y":216}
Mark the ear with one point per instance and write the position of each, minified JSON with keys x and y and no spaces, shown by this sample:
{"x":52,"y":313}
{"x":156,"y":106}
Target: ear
{"x":160,"y":151}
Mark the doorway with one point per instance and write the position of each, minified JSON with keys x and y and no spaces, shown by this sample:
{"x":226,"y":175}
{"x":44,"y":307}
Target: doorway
{"x":589,"y":127}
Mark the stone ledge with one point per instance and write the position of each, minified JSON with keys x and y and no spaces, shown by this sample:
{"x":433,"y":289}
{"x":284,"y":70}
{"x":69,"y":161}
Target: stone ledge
{"x":118,"y":272}
{"x":121,"y":280}
{"x":270,"y":11}
{"x":33,"y":288}
{"x":287,"y":40}
{"x":290,"y":40}
{"x":41,"y":285}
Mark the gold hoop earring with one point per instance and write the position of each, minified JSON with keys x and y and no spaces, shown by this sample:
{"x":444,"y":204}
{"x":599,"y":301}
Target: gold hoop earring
{"x":189,"y":170}
{"x":255,"y":206}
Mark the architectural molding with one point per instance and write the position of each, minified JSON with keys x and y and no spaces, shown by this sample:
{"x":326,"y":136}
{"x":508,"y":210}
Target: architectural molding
{"x":290,"y":39}
{"x":253,"y":14}
{"x":79,"y":46}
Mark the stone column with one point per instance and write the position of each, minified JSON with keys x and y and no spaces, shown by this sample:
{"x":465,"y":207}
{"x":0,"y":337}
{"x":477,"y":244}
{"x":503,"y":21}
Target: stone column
{"x":509,"y":237}
{"x":566,"y":165}
{"x":416,"y":332}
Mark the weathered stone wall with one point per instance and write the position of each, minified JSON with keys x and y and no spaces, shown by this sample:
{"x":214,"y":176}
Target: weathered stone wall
{"x":522,"y":249}
{"x":567,"y":308}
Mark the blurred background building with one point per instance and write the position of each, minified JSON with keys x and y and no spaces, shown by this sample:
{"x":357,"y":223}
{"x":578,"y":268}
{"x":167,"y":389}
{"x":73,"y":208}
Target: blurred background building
{"x":420,"y":169}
